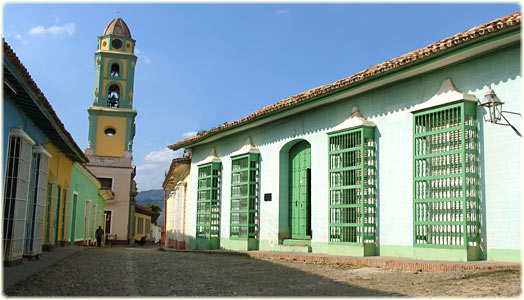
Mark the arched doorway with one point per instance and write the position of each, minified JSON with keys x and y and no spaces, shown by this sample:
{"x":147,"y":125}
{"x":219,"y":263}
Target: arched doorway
{"x":299,"y":214}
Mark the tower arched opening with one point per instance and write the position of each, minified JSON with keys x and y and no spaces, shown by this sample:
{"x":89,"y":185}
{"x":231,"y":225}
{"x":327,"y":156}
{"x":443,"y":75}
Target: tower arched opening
{"x":115,"y":70}
{"x":113,"y":96}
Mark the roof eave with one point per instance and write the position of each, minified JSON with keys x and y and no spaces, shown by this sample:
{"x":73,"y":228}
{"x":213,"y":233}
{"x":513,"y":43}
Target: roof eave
{"x":507,"y":33}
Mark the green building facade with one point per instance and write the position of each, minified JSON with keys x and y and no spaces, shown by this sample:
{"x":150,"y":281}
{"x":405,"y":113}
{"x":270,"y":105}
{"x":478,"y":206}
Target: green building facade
{"x":87,"y":206}
{"x":397,"y":160}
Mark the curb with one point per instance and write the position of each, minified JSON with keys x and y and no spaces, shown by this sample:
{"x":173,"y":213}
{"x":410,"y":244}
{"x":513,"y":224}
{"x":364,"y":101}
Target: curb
{"x":392,"y":263}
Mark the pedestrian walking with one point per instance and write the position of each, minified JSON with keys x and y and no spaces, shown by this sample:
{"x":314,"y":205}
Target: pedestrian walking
{"x":99,"y":234}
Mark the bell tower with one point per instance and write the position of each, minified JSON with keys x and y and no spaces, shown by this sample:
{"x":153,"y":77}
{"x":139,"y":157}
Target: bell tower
{"x":112,"y":129}
{"x":112,"y":118}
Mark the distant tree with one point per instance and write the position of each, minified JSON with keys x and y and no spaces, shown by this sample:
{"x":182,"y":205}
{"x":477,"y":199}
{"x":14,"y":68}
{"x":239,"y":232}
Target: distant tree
{"x":156,"y":211}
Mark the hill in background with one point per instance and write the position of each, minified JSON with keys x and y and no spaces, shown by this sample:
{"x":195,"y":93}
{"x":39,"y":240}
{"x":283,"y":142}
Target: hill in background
{"x":155,"y":197}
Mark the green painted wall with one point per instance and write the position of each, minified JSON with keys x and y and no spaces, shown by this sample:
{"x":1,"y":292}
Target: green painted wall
{"x":87,"y":190}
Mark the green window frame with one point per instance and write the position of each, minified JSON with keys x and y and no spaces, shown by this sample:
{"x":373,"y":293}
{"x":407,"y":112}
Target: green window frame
{"x":445,"y":177}
{"x":208,"y":201}
{"x":244,"y":196}
{"x":352,"y":186}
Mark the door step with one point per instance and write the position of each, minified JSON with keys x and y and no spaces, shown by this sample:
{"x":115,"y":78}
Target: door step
{"x":292,"y":245}
{"x":296,"y":242}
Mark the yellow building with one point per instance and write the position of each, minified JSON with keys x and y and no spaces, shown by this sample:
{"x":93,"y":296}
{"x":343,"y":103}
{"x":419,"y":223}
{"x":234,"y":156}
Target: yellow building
{"x":143,"y":222}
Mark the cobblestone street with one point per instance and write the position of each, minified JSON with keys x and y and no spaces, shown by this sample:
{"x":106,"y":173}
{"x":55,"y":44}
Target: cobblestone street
{"x":123,"y":271}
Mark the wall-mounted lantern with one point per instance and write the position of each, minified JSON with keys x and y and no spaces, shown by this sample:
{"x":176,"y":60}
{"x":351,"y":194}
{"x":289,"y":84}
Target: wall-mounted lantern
{"x":494,"y":106}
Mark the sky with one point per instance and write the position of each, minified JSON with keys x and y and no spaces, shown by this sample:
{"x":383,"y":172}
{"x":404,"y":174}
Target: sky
{"x":203,"y":64}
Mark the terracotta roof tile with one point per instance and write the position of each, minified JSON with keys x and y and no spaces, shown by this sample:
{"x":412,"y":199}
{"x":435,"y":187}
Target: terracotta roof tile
{"x":508,"y":21}
{"x":144,"y":210}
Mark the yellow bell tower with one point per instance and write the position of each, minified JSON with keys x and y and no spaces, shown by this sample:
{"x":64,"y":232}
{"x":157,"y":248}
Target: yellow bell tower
{"x":112,"y":118}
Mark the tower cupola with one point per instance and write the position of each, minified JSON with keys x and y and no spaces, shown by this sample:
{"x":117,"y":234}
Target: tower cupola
{"x":117,"y":27}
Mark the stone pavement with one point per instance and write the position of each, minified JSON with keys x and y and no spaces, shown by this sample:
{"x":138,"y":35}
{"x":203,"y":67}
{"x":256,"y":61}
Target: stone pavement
{"x":13,"y":275}
{"x":146,"y":271}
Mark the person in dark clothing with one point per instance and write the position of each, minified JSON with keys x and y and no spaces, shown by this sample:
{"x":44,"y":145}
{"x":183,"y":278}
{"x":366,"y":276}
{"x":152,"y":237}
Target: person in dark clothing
{"x":142,"y":241}
{"x":99,"y":233}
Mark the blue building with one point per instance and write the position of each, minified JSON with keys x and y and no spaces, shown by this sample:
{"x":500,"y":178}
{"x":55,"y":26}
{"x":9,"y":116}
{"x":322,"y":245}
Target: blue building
{"x":29,"y":124}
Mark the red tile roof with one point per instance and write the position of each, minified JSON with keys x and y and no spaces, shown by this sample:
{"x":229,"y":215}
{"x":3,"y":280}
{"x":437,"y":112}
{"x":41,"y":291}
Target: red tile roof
{"x":509,"y":21}
{"x":143,"y":210}
{"x":174,"y":163}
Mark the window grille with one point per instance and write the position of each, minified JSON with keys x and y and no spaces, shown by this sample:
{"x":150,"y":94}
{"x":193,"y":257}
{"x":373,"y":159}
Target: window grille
{"x":49,"y":215}
{"x":208,"y":201}
{"x":87,"y":213}
{"x":446,"y":207}
{"x":93,"y":221}
{"x":101,"y":220}
{"x":37,"y":200}
{"x":16,"y":193}
{"x":352,"y":186}
{"x":140,"y":226}
{"x":244,"y":196}
{"x":56,"y":218}
{"x":65,"y":214}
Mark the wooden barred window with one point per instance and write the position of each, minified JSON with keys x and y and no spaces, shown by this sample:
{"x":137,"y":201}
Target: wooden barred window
{"x":37,"y":201}
{"x":352,"y":186}
{"x":208,"y":201}
{"x":244,"y":196}
{"x":446,"y":203}
{"x":140,"y":225}
{"x":16,"y":193}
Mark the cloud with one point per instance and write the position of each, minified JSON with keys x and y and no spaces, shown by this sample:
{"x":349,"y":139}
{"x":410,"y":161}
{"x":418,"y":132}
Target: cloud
{"x":189,"y":134}
{"x":146,"y":167}
{"x":282,"y":11}
{"x":164,"y":155}
{"x":150,"y":175}
{"x":144,"y":58}
{"x":67,"y":29}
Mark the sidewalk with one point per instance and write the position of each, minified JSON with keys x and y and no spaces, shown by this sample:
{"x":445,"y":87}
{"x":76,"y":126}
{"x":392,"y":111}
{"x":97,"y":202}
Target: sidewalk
{"x":15,"y":274}
{"x":394,"y":263}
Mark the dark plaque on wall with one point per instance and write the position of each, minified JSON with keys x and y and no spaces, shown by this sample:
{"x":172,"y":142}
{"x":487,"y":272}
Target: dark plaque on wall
{"x":267,"y":197}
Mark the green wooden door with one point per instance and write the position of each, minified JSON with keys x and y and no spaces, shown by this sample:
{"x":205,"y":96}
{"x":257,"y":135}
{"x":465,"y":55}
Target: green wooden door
{"x":47,"y":233}
{"x":57,"y":216}
{"x":299,"y":191}
{"x":73,"y":220}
